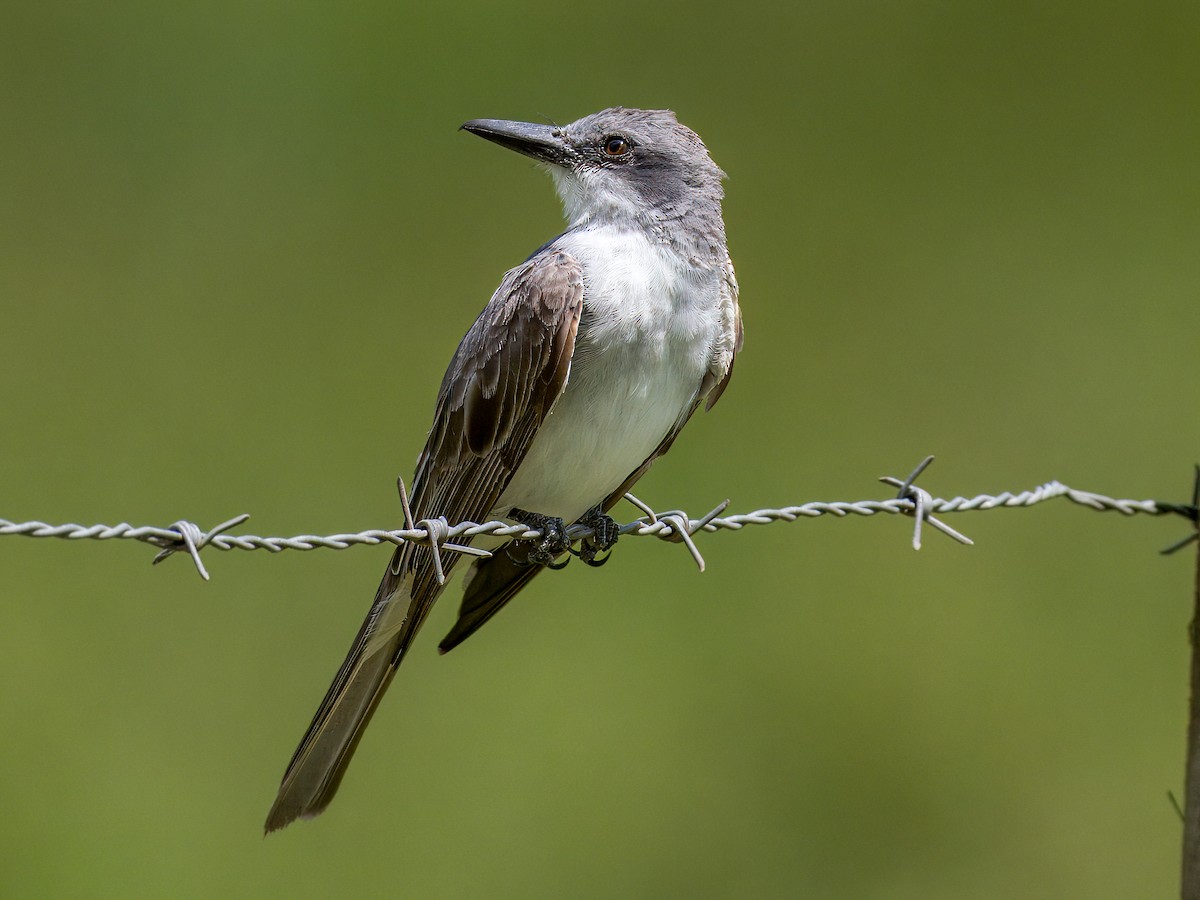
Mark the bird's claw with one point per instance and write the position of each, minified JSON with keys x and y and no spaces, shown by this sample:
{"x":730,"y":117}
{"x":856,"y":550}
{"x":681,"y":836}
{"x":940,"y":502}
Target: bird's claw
{"x":552,"y":544}
{"x":605,"y":532}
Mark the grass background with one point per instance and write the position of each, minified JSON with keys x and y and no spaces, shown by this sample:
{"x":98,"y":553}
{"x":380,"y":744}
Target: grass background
{"x":238,"y":243}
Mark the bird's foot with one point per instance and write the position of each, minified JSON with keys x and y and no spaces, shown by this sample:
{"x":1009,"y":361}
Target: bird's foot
{"x":605,"y":533}
{"x":551,"y":545}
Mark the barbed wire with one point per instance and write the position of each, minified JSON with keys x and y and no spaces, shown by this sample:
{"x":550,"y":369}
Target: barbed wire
{"x":675,"y":526}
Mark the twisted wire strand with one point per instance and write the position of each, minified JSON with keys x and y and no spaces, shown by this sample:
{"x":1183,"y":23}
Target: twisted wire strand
{"x":675,"y":525}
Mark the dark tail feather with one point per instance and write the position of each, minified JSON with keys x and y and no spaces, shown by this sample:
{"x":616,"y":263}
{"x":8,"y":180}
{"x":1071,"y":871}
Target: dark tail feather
{"x":400,"y":607}
{"x":491,"y":583}
{"x":316,"y":769}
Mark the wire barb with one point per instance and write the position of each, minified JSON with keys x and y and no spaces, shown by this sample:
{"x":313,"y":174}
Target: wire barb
{"x":426,"y":535}
{"x":192,"y":539}
{"x":1191,"y":512}
{"x":922,"y":502}
{"x":675,"y":526}
{"x":437,"y":530}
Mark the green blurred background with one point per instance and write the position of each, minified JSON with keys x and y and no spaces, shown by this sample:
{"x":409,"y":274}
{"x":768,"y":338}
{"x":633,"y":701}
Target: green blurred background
{"x":238,"y":243}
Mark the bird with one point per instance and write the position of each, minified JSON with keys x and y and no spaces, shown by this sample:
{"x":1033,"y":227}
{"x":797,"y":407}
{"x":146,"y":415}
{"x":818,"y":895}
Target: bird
{"x":580,"y":371}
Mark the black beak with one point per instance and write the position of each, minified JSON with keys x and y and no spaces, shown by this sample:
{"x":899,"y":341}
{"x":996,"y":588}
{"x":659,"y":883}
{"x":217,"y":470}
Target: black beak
{"x":541,"y":142}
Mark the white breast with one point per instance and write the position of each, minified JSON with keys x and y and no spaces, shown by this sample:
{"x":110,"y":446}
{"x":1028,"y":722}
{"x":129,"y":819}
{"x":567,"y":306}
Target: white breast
{"x":647,"y":337}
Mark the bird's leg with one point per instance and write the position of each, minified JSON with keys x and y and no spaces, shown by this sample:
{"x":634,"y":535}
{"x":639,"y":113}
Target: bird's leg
{"x":605,"y":534}
{"x":551,"y":544}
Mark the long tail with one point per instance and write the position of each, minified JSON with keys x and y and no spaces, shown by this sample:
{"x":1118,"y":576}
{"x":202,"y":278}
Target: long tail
{"x":401,"y":606}
{"x":316,"y":769}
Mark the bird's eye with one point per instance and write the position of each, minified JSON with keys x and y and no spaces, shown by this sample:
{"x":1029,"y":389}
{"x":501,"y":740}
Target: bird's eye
{"x":615,"y":146}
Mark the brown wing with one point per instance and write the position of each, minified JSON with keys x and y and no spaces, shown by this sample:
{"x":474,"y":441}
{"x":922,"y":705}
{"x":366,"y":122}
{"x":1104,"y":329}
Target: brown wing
{"x":505,"y":376}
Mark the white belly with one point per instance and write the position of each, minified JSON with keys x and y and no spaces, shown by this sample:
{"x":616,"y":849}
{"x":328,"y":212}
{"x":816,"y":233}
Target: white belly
{"x":644,"y":345}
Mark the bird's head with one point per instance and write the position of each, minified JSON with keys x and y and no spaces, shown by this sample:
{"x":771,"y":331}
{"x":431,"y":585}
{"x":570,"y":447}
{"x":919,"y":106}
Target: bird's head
{"x":618,"y":164}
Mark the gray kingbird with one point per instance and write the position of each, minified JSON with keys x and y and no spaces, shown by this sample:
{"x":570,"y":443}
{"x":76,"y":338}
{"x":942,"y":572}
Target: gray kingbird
{"x":581,"y":370}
